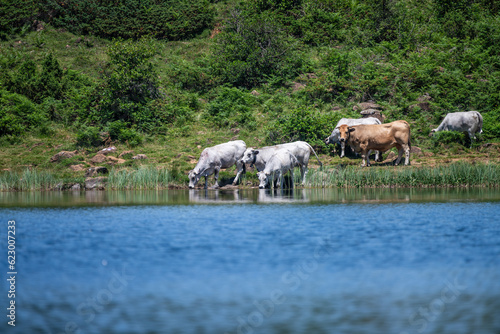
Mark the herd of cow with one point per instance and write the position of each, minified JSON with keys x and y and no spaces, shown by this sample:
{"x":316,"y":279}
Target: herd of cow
{"x":362,"y":135}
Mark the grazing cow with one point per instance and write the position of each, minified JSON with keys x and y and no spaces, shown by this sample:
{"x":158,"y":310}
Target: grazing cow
{"x":300,"y":149}
{"x":277,"y":166}
{"x":381,"y":137}
{"x":335,"y":136}
{"x":212,"y":159}
{"x":464,"y":121}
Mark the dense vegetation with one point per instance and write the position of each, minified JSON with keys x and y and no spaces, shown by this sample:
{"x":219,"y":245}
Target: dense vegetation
{"x":181,"y":75}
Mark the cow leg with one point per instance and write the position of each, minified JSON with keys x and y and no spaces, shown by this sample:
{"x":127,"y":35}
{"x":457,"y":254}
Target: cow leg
{"x":216,"y":176}
{"x":241,"y":169}
{"x":342,"y":149}
{"x":280,"y":178}
{"x":303,"y":172}
{"x":291,"y":175}
{"x":407,"y":155}
{"x":400,"y":154}
{"x":206,"y":181}
{"x":365,"y":158}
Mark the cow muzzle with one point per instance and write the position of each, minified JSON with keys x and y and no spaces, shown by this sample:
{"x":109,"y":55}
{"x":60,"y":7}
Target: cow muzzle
{"x":262,"y":187}
{"x":342,"y":140}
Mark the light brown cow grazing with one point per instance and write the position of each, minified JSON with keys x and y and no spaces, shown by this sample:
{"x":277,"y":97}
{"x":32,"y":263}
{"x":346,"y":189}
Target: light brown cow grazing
{"x":380,"y":137}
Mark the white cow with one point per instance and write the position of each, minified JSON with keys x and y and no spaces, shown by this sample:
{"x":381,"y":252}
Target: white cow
{"x":335,"y":136}
{"x":464,"y":121}
{"x":300,"y":149}
{"x":277,"y":166}
{"x":212,"y":159}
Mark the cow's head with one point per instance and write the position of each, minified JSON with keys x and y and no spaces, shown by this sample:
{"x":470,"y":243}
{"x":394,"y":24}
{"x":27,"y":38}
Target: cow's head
{"x":193,"y":178}
{"x":333,"y":138}
{"x":344,"y":132}
{"x":249,"y":156}
{"x":263,"y":178}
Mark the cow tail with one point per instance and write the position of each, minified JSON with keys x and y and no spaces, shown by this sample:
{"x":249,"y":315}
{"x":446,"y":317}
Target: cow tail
{"x":480,"y":122}
{"x":312,"y":149}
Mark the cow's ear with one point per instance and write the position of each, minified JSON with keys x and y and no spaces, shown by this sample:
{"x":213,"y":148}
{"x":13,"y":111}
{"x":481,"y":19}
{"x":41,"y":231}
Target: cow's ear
{"x":351,"y":129}
{"x":256,"y":151}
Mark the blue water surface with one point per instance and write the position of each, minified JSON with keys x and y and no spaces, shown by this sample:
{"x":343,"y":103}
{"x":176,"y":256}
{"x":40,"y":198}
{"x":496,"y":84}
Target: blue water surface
{"x":386,"y":267}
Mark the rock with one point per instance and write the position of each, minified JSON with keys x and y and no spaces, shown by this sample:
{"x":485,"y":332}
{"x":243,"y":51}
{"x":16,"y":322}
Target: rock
{"x":366,"y":105}
{"x":140,"y":157}
{"x":95,"y":183}
{"x":373,"y":113}
{"x":297,"y":86}
{"x":107,"y":150}
{"x":126,"y":154}
{"x":255,"y":93}
{"x":391,"y":156}
{"x":425,"y":97}
{"x":76,"y":186}
{"x":62,"y":155}
{"x":93,"y":171}
{"x":415,"y":150}
{"x":77,"y":168}
{"x":98,"y":158}
{"x":112,"y":160}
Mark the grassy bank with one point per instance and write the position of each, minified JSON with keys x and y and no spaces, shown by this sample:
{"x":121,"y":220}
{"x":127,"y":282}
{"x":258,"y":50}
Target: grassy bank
{"x":460,"y":174}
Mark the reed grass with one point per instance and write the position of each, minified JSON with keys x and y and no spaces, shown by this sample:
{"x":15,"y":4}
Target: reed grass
{"x":29,"y":179}
{"x":144,"y":177}
{"x":458,"y":174}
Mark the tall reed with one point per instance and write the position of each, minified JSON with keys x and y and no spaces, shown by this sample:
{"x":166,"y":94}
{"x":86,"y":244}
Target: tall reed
{"x":29,"y":179}
{"x":144,"y":177}
{"x":456,"y":174}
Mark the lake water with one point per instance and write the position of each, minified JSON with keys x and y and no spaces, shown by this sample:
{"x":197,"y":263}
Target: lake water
{"x":254,"y":261}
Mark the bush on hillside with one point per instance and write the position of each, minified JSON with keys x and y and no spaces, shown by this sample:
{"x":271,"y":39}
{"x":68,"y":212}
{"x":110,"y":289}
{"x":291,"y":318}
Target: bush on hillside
{"x":252,"y":49}
{"x":17,"y":16}
{"x":164,"y":19}
{"x":18,"y":113}
{"x":302,"y":123}
{"x":232,"y":107}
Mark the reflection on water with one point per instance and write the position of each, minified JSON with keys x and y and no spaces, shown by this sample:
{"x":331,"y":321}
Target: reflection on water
{"x":193,"y":196}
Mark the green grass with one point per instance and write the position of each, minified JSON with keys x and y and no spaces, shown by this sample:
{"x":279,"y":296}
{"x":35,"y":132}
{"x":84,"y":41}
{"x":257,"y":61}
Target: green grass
{"x":29,"y":179}
{"x":459,"y":174}
{"x":144,"y":177}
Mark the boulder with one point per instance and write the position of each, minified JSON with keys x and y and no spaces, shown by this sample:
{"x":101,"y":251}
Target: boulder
{"x":95,"y":183}
{"x":98,"y":158}
{"x":112,"y":160}
{"x":140,"y":157}
{"x":107,"y":150}
{"x":366,"y":105}
{"x":93,"y":171}
{"x":77,"y":168}
{"x":126,"y":154}
{"x":62,"y":155}
{"x":76,"y":186}
{"x":373,"y":113}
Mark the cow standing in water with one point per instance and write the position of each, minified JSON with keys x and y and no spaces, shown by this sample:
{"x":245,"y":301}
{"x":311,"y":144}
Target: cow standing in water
{"x":382,"y":137}
{"x":300,"y":149}
{"x":280,"y":163}
{"x":463,"y":121}
{"x":212,"y":159}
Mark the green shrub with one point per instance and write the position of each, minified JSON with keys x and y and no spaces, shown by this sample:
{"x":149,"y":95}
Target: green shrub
{"x":303,"y":123}
{"x":250,"y":50}
{"x":119,"y":130}
{"x":89,"y":137}
{"x":169,"y":19}
{"x":232,"y":107}
{"x":130,"y":86}
{"x":34,"y":84}
{"x":18,"y":113}
{"x":17,"y":16}
{"x":450,"y":137}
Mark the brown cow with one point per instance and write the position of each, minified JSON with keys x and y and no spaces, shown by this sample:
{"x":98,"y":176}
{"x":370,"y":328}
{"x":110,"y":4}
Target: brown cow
{"x":380,"y":137}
